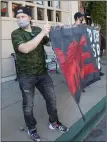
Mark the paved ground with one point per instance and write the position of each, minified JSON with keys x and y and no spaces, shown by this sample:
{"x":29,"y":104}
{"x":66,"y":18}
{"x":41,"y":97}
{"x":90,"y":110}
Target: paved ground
{"x":99,"y":133}
{"x":12,"y":116}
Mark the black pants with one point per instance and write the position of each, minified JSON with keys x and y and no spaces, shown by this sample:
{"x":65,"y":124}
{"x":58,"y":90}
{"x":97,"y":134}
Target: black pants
{"x":45,"y":85}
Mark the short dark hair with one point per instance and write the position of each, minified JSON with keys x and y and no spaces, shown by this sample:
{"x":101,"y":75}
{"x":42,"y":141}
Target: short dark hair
{"x":78,"y":15}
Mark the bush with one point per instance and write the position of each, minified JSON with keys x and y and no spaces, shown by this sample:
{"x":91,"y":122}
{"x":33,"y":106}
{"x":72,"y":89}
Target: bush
{"x":97,"y":10}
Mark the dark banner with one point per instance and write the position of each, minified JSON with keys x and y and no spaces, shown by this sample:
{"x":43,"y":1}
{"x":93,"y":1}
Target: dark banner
{"x":77,"y":51}
{"x":90,"y":55}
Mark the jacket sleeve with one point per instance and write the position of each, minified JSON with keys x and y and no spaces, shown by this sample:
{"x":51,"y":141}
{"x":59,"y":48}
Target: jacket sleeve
{"x":17,"y":39}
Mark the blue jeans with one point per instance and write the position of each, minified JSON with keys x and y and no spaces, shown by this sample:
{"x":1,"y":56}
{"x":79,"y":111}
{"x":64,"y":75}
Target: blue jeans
{"x":45,"y":85}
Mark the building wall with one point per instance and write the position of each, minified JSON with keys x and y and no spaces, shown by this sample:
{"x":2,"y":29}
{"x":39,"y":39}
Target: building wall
{"x":67,"y":10}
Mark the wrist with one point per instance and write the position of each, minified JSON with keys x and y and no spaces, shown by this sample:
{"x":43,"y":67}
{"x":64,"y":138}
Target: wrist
{"x":43,"y":33}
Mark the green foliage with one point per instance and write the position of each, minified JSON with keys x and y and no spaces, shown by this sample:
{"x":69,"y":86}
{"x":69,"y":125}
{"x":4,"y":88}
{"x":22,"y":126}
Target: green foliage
{"x":97,"y":10}
{"x":99,"y":14}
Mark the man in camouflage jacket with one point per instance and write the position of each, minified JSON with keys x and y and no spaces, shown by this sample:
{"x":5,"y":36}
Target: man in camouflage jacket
{"x":28,"y":42}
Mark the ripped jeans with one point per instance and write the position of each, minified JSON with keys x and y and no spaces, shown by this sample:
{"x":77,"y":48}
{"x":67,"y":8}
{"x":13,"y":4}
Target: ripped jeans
{"x":45,"y":85}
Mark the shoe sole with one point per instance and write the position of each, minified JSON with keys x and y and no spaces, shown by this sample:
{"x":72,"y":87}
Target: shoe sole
{"x":35,"y":140}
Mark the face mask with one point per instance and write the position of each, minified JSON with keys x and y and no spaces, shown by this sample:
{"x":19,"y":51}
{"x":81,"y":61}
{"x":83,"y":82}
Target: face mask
{"x":23,"y":23}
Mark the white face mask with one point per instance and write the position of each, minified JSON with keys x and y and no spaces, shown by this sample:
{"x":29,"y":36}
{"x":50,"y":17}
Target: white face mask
{"x":23,"y":23}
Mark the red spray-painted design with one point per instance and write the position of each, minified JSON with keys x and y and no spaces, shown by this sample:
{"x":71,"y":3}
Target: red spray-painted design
{"x":72,"y":64}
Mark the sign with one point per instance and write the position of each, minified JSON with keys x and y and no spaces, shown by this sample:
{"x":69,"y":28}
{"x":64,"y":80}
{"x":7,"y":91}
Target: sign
{"x":77,"y":51}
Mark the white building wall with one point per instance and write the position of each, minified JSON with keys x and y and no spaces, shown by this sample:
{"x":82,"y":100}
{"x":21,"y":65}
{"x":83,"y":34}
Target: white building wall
{"x":68,"y":8}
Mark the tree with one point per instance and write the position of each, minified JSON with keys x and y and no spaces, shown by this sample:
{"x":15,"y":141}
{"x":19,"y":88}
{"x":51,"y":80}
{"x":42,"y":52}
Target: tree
{"x":97,"y":11}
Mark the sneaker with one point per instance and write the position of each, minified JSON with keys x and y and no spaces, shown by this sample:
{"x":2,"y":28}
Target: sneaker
{"x":83,"y":91}
{"x":33,"y":135}
{"x":101,"y":74}
{"x":58,"y":126}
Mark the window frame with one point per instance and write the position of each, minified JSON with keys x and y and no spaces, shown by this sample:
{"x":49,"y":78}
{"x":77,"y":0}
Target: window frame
{"x":7,"y":11}
{"x":43,"y":13}
{"x":34,"y":5}
{"x":52,"y":16}
{"x":58,"y":11}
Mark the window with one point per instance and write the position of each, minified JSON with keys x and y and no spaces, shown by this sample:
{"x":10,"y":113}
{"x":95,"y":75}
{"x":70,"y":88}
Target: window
{"x":4,"y":9}
{"x":14,"y":5}
{"x":58,"y":16}
{"x":50,"y":15}
{"x":49,"y":3}
{"x":30,"y":1}
{"x":32,"y":10}
{"x":40,"y":2}
{"x":40,"y":13}
{"x":57,"y":4}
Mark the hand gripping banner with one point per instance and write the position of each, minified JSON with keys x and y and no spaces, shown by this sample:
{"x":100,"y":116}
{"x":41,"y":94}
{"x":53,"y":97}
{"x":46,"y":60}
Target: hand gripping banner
{"x":77,"y":50}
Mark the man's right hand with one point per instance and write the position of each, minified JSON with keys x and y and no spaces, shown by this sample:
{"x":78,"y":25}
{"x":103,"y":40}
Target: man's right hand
{"x":46,"y":29}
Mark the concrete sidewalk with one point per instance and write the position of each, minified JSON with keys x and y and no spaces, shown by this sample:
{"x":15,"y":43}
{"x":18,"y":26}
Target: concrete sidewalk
{"x":12,"y":116}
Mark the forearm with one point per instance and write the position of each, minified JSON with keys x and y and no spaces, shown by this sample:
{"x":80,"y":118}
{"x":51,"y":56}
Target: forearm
{"x":31,"y":45}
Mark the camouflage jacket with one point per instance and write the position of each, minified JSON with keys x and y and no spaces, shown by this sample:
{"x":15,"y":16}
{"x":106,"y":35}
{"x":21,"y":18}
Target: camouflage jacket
{"x":33,"y":62}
